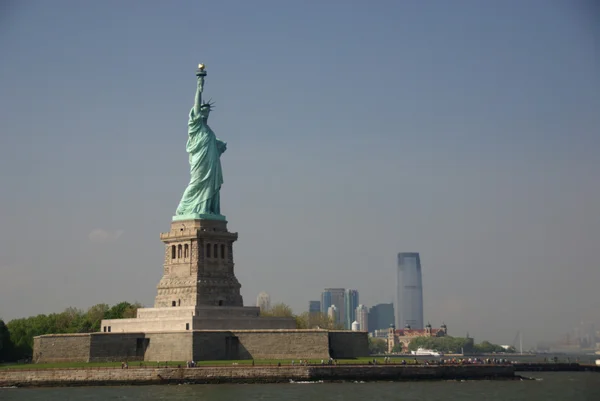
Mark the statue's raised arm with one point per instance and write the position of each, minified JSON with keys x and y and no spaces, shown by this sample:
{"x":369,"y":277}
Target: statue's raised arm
{"x":200,"y":74}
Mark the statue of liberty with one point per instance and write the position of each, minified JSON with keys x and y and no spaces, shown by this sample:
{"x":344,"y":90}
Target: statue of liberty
{"x":201,"y":197}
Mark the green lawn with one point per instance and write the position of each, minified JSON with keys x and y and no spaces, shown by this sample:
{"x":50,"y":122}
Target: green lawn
{"x":247,"y":362}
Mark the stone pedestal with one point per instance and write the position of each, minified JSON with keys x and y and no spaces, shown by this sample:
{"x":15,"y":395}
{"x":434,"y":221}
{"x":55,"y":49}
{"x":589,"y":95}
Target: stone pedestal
{"x":198,"y":266}
{"x":198,"y":289}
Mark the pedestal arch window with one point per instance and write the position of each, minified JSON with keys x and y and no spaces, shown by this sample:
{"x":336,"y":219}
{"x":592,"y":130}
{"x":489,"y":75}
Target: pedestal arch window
{"x":208,"y":250}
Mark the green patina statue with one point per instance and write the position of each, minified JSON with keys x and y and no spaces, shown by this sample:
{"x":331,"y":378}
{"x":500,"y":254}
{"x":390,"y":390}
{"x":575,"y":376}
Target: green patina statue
{"x":201,"y":197}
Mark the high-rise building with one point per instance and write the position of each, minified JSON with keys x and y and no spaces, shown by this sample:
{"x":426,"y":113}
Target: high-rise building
{"x":409,"y":302}
{"x":381,"y":316}
{"x":587,"y":335}
{"x":334,"y":314}
{"x":263,"y":301}
{"x":362,"y":317}
{"x":314,"y":314}
{"x":351,"y":305}
{"x":334,"y":296}
{"x":325,"y":302}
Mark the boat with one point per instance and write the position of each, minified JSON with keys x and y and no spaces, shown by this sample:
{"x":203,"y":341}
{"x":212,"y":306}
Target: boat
{"x":426,"y":352}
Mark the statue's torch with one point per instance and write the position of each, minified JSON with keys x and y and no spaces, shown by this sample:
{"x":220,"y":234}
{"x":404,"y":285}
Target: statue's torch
{"x":201,"y":71}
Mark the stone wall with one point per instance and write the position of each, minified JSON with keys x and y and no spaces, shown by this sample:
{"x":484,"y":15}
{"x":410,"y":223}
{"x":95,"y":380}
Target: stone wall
{"x":200,"y":345}
{"x":61,"y":348}
{"x":176,"y":346}
{"x":255,"y":323}
{"x":245,"y":374}
{"x":348,"y":344}
{"x":120,"y":347}
{"x":283,"y":344}
{"x":212,"y":346}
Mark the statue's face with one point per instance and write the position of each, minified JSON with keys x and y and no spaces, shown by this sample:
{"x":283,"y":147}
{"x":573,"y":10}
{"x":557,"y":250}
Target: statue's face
{"x":204,"y":112}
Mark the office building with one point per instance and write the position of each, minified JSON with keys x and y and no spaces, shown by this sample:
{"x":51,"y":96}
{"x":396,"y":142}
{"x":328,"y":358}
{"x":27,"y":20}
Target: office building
{"x":325,"y":302}
{"x":362,"y":317}
{"x":409,"y":302}
{"x":314,"y":307}
{"x":381,"y":316}
{"x":334,"y":296}
{"x":351,"y":305}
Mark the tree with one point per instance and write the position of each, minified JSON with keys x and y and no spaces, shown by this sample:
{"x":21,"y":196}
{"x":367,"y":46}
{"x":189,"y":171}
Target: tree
{"x":322,"y":321}
{"x":486,"y":347}
{"x":92,"y":319}
{"x":398,"y":347}
{"x":120,"y":310}
{"x":67,"y":321}
{"x":278,"y":310}
{"x":302,"y":321}
{"x":131,"y":311}
{"x":377,"y":346}
{"x":5,"y":343}
{"x":71,"y":320}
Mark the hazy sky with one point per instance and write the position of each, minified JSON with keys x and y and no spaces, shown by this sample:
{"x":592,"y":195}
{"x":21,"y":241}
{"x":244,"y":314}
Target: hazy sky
{"x":468,"y":131}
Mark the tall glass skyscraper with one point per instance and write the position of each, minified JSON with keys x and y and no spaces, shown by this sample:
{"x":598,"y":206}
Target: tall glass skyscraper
{"x":351,"y":305}
{"x":362,"y":317}
{"x":325,"y":302}
{"x":409,"y":302}
{"x":334,"y":296}
{"x":381,"y":316}
{"x":314,"y":307}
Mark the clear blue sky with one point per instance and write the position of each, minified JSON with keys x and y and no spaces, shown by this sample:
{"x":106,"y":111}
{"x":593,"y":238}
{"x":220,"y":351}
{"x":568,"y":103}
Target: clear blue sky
{"x":467,"y":130}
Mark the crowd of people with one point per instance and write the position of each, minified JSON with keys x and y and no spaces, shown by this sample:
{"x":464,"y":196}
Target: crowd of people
{"x":386,"y":360}
{"x":450,"y":361}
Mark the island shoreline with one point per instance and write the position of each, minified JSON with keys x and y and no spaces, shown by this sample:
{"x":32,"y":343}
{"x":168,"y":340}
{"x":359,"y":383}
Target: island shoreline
{"x":70,"y":377}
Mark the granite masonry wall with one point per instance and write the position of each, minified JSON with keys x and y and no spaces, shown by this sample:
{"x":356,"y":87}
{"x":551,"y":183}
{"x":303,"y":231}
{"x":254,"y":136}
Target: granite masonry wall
{"x":283,"y":344}
{"x":62,"y":348}
{"x":175,"y":346}
{"x":107,"y":347}
{"x":348,"y":344}
{"x":261,"y":323}
{"x":200,"y":345}
{"x":212,"y":346}
{"x":246,"y":374}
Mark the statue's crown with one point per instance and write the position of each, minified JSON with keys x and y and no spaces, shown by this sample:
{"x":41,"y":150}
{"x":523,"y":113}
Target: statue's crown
{"x":208,"y":105}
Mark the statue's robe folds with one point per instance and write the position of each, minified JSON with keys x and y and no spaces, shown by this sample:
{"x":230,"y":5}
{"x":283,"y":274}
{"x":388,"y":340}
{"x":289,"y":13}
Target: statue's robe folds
{"x":202,"y":194}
